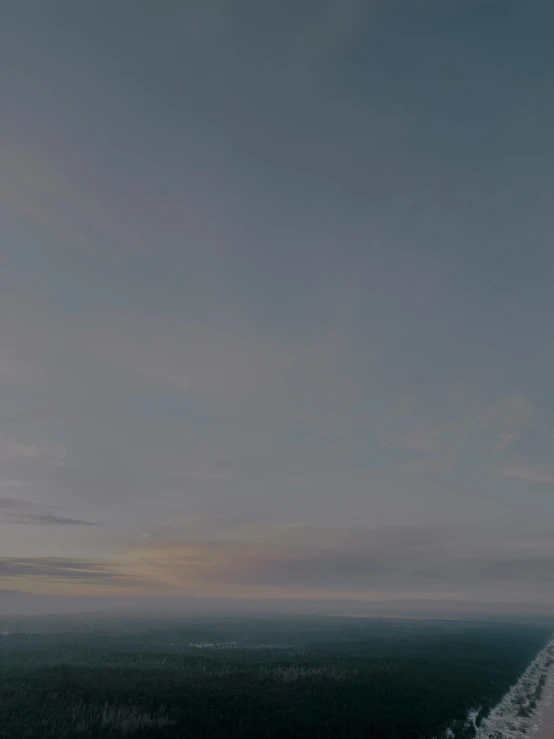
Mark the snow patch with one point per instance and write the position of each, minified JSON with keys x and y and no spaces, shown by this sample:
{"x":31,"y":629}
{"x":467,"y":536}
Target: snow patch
{"x":518,"y":713}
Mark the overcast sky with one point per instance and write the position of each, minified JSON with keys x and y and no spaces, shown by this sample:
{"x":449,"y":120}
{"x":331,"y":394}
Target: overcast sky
{"x":276,"y":299}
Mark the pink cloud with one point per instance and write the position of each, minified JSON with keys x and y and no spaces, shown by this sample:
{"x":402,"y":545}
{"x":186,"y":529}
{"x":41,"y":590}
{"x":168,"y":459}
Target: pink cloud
{"x":527,"y":474}
{"x":421,"y":441}
{"x":423,"y":465}
{"x":505,"y":440}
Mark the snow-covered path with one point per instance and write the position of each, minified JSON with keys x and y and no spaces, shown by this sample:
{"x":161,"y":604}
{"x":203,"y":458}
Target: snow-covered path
{"x":544,"y":724}
{"x":527,"y":709}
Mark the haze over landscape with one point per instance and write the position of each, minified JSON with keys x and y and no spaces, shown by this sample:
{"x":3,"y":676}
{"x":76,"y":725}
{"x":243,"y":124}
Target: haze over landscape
{"x":276,"y":306}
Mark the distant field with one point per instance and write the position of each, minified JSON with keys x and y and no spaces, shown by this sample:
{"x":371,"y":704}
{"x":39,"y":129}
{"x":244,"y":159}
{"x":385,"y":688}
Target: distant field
{"x":255,"y":677}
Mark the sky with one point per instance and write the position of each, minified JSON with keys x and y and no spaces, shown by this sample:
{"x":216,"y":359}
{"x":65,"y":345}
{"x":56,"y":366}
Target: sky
{"x":276,"y":306}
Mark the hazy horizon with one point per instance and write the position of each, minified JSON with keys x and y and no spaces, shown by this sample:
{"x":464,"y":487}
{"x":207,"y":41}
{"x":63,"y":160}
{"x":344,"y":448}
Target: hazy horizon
{"x":276,"y":304}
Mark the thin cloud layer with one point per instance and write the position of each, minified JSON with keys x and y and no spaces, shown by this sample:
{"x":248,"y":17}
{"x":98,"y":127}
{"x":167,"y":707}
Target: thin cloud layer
{"x":417,"y":564}
{"x":58,"y":570}
{"x":332,"y":307}
{"x":528,"y":474}
{"x":13,"y":449}
{"x":26,"y":513}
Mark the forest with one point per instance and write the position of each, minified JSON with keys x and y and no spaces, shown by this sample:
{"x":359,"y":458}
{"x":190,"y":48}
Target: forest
{"x":261,"y":677}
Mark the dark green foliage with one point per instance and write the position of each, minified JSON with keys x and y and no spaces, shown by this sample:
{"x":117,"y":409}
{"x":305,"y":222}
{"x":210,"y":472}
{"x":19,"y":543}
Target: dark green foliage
{"x":278,"y":679}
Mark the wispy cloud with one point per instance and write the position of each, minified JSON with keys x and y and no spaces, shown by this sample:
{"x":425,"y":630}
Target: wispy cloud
{"x":58,"y":569}
{"x":36,"y":414}
{"x":466,"y":427}
{"x":344,"y":562}
{"x":12,"y":448}
{"x":7,"y":483}
{"x":528,"y":474}
{"x":504,"y":441}
{"x":419,"y":441}
{"x":39,"y":192}
{"x":27,"y":513}
{"x":45,"y":519}
{"x":306,"y":562}
{"x":331,"y":25}
{"x":182,"y":470}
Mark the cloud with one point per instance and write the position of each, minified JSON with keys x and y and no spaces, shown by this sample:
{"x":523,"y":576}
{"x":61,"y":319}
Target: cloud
{"x":427,"y":465}
{"x":528,"y":474}
{"x":6,"y":482}
{"x":58,"y":569}
{"x":165,"y":377}
{"x":95,"y":484}
{"x":409,"y":564}
{"x":347,"y":562}
{"x":178,"y":471}
{"x":507,"y":414}
{"x":45,"y":519}
{"x":11,"y":448}
{"x":419,"y":441}
{"x":38,"y":191}
{"x":8,"y":503}
{"x":331,"y":26}
{"x":9,"y":368}
{"x":26,"y":513}
{"x":504,"y":441}
{"x":223,"y":361}
{"x":463,"y":427}
{"x":36,"y":414}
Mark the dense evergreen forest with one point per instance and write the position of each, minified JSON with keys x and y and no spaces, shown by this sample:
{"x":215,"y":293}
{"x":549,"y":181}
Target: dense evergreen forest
{"x":255,"y":678}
